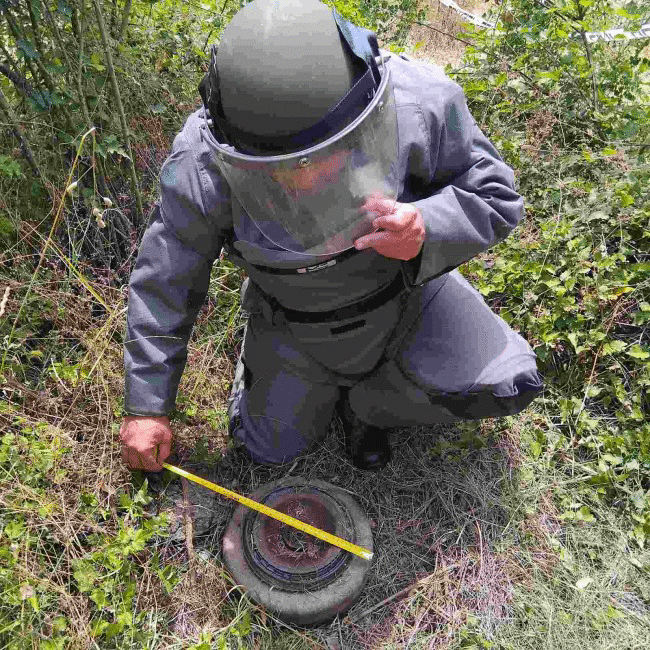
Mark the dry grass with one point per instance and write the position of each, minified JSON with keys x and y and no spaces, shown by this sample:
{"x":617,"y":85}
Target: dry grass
{"x":453,"y":515}
{"x":82,"y":417}
{"x":463,"y":534}
{"x":197,"y":603}
{"x":466,"y":583}
{"x":152,"y":146}
{"x":79,"y":421}
{"x":437,"y":518}
{"x":538,"y":129}
{"x":442,"y":48}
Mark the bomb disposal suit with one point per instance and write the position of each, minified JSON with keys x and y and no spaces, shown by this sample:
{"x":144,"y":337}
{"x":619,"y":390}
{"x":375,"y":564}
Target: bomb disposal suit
{"x":311,"y":139}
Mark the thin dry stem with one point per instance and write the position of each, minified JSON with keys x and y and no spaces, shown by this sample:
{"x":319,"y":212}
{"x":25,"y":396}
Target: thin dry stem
{"x":189,"y":532}
{"x":5,"y":299}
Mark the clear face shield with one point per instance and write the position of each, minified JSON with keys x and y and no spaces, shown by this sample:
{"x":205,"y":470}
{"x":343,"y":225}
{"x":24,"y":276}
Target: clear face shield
{"x":319,"y":201}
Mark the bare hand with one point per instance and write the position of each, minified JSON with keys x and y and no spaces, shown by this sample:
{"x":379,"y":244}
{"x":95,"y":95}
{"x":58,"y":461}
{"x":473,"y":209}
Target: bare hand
{"x":402,"y":229}
{"x":146,"y":442}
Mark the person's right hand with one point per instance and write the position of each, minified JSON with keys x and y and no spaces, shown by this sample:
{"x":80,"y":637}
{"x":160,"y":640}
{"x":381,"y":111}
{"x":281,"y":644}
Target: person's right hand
{"x":146,"y":441}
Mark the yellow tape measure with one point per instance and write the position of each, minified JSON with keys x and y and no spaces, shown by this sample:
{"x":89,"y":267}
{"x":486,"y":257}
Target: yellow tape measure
{"x":275,"y":514}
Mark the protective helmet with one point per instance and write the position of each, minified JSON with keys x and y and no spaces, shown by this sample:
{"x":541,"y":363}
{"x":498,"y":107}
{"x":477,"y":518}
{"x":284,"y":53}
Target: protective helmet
{"x":302,"y":109}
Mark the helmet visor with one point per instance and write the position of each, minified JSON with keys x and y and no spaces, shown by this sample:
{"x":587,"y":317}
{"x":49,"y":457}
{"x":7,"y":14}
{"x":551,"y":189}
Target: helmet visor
{"x":315,"y":201}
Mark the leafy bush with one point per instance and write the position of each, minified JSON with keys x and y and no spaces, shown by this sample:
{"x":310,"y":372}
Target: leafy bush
{"x":572,"y":118}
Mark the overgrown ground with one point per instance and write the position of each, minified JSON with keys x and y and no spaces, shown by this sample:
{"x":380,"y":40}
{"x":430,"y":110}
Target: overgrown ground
{"x":526,"y":532}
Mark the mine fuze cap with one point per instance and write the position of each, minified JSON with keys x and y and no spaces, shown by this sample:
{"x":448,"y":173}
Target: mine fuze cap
{"x":303,"y":113}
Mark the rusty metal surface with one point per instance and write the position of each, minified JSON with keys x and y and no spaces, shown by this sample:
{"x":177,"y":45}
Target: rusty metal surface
{"x":287,"y":558}
{"x":290,"y":546}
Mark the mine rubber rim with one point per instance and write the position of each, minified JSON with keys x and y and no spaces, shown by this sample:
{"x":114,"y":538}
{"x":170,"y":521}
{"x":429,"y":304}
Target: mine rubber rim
{"x":299,"y":589}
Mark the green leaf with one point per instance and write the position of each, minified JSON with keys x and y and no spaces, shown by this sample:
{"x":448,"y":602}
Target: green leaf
{"x":59,"y":624}
{"x":15,"y":529}
{"x":598,"y":215}
{"x":626,"y":199}
{"x":554,"y":75}
{"x":64,"y":8}
{"x":517,"y":85}
{"x":98,"y":596}
{"x":535,"y":449}
{"x":85,"y":575}
{"x":612,"y":347}
{"x":638,"y":352}
{"x":244,"y":625}
{"x":573,"y":337}
{"x":594,"y":391}
{"x":643,"y":315}
{"x":27,"y":49}
{"x":53,"y":644}
{"x":99,"y":627}
{"x":96,"y":62}
{"x":584,"y":514}
{"x":10,"y":167}
{"x":125,"y":618}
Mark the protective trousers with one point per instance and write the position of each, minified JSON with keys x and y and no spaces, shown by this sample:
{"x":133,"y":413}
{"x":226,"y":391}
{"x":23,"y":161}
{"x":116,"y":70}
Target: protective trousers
{"x":450,"y":358}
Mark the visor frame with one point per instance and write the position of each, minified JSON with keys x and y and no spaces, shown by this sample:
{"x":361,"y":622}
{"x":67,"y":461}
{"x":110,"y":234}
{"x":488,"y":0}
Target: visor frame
{"x":230,"y":155}
{"x":282,"y":216}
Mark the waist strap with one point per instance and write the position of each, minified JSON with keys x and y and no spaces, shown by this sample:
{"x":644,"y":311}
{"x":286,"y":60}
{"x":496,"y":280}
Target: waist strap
{"x":319,"y":266}
{"x":358,"y":308}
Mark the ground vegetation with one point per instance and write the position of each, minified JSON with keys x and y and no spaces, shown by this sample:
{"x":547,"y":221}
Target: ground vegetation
{"x":526,"y":532}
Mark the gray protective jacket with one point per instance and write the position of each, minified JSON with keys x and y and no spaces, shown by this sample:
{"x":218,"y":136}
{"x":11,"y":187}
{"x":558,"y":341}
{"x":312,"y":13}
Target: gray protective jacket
{"x":447,"y":167}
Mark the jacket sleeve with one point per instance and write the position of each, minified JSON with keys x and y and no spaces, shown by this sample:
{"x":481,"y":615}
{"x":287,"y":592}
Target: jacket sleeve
{"x":170,"y":279}
{"x":471,"y":203}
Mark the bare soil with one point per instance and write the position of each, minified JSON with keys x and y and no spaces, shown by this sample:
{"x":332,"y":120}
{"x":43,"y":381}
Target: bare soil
{"x":443,"y":48}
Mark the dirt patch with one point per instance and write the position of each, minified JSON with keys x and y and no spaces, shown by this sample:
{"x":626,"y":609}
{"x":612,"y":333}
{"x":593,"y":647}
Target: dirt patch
{"x":538,"y":129}
{"x":441,"y":45}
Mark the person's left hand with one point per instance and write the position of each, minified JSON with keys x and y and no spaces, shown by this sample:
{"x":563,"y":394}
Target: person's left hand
{"x":402,"y":229}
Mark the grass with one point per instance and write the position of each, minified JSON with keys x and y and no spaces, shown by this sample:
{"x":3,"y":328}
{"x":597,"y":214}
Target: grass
{"x":465,"y":515}
{"x":435,"y":519}
{"x":522,"y":533}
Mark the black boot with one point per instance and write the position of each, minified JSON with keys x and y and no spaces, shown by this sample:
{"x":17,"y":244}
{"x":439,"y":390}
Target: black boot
{"x":367,"y":445}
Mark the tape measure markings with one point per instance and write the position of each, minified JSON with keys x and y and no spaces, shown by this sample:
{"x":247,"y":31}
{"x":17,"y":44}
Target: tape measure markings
{"x":275,"y":514}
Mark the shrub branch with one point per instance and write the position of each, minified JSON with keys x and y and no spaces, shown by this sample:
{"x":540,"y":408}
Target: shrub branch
{"x":120,"y":109}
{"x":126,"y":12}
{"x":5,"y":107}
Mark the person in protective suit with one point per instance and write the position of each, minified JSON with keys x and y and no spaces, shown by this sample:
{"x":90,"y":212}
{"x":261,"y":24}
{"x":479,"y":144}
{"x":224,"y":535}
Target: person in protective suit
{"x":348,"y":183}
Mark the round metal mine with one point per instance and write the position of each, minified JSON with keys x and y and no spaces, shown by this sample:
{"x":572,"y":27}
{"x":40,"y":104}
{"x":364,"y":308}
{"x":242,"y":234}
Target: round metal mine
{"x":293,"y":574}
